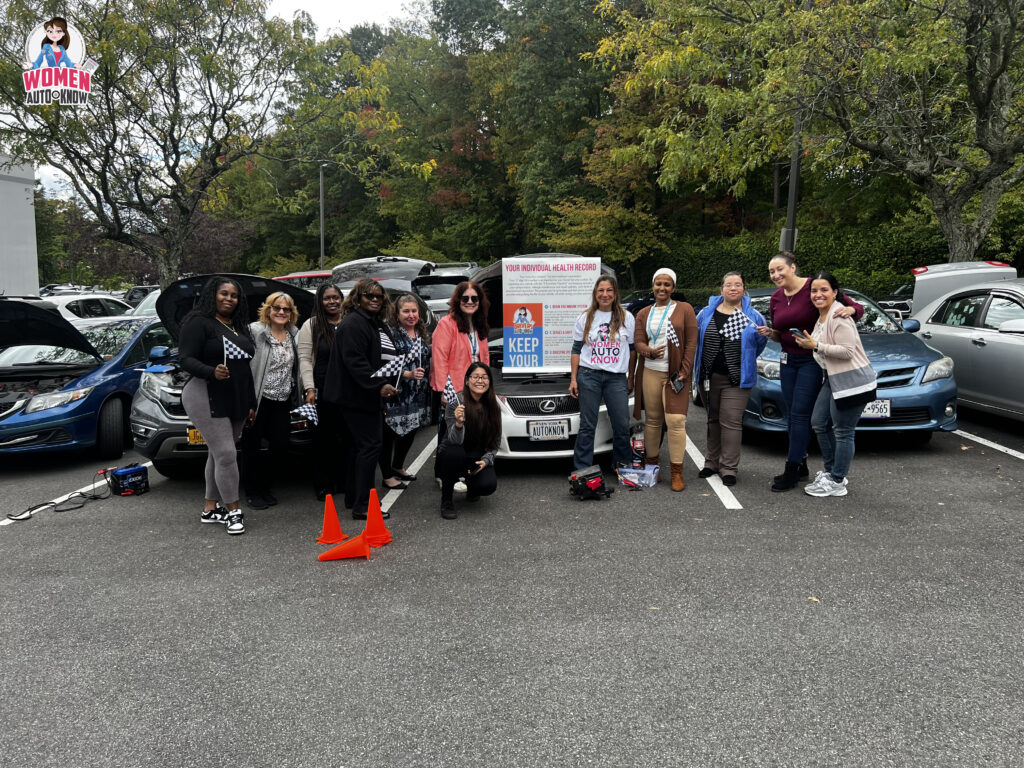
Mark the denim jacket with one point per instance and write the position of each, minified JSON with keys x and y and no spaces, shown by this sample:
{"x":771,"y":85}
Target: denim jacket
{"x":751,"y":345}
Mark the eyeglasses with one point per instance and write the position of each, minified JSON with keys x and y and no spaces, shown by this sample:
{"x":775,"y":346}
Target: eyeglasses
{"x":469,"y":299}
{"x":373,"y":296}
{"x":479,"y":378}
{"x":280,"y":309}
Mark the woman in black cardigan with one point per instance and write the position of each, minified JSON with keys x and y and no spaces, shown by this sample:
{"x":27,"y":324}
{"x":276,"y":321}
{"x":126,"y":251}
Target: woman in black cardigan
{"x":215,"y":347}
{"x":354,"y":390}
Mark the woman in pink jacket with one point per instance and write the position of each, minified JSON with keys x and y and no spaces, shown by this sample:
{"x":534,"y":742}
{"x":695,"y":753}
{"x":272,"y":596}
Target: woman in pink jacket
{"x":460,"y":340}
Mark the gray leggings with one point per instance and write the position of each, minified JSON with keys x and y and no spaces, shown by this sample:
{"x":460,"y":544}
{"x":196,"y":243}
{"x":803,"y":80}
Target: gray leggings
{"x":220,"y":435}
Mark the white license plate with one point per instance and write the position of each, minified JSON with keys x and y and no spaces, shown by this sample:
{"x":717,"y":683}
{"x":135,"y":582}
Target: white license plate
{"x":548,"y":430}
{"x":877,"y":409}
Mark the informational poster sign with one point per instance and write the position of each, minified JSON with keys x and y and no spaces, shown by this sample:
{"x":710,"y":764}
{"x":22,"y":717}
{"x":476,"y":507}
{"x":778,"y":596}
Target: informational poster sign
{"x":542,"y":297}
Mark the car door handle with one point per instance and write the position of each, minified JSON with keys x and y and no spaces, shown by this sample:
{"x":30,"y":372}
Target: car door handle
{"x":925,"y":334}
{"x":978,"y":341}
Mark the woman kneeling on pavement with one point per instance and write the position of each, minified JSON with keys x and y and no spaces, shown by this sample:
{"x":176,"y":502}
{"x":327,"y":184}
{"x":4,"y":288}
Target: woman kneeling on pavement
{"x":849,"y":384}
{"x":275,"y":369}
{"x":472,"y":437}
{"x":666,"y":339}
{"x":727,"y":348}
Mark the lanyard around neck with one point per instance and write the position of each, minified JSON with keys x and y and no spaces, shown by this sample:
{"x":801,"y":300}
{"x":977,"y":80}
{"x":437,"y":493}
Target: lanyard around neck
{"x":654,"y":336}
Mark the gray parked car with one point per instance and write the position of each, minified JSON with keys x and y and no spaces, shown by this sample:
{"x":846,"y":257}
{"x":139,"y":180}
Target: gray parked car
{"x":982,"y":328}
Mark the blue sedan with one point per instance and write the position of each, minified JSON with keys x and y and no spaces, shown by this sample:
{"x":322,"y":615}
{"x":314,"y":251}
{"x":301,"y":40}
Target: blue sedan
{"x":916,"y":390}
{"x":65,"y":386}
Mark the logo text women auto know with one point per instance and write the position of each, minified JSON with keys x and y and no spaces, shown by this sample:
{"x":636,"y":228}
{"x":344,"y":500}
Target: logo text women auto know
{"x":47,"y":85}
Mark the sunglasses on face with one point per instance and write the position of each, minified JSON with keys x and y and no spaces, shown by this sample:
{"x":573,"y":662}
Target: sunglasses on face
{"x":373,"y":296}
{"x":280,"y":309}
{"x":469,"y":299}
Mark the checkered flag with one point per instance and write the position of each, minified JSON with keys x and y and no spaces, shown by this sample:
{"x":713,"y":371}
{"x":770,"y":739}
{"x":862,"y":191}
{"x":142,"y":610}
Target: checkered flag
{"x":391,"y":368}
{"x":733,"y":328}
{"x":670,"y":334}
{"x":234,"y":352}
{"x":308,"y":412}
{"x":416,"y":351}
{"x":450,"y":395}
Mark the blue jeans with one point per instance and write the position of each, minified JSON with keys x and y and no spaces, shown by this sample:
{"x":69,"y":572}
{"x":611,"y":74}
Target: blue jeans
{"x":801,"y":381}
{"x":594,"y":386}
{"x":835,"y":427}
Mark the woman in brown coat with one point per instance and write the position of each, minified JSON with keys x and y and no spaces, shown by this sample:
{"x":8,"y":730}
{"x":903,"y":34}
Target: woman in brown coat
{"x":665,"y":341}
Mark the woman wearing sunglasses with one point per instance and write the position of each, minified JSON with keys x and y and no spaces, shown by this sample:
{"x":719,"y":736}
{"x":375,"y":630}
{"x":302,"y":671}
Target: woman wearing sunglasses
{"x":460,"y":339}
{"x":354,"y":389}
{"x":472,"y":436}
{"x":275,"y":368}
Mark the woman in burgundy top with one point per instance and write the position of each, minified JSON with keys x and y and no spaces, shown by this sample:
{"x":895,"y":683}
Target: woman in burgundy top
{"x":791,"y":307}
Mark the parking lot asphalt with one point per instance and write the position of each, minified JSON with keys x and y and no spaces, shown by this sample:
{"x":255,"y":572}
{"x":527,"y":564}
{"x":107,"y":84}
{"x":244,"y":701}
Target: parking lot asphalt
{"x":650,"y":629}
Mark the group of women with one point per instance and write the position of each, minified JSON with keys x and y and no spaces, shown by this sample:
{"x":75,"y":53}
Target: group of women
{"x":825,"y":375}
{"x":371,"y":369}
{"x":368,"y":368}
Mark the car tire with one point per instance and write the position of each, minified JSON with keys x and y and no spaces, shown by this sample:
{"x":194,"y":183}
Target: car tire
{"x":177,"y":470}
{"x":110,"y":431}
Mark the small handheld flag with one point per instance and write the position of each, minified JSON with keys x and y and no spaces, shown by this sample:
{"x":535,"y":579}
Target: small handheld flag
{"x":391,"y":368}
{"x":308,"y":412}
{"x":671,"y":335}
{"x":233,"y":352}
{"x":450,"y":395}
{"x":733,"y":328}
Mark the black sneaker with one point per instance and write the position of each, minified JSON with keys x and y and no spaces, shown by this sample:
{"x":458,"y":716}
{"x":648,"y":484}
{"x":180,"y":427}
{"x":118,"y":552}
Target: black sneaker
{"x":235,"y":523}
{"x":270,"y":499}
{"x":448,"y":510}
{"x":216,"y":515}
{"x":707,"y":472}
{"x":728,"y":480}
{"x":256,"y":502}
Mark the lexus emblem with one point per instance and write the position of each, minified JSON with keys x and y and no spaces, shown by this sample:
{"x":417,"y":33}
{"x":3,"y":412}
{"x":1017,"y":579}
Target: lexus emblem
{"x":547,"y":406}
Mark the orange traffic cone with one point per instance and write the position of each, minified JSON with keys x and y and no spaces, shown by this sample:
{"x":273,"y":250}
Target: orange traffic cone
{"x":376,"y":533}
{"x":357,"y":547}
{"x":331,"y":532}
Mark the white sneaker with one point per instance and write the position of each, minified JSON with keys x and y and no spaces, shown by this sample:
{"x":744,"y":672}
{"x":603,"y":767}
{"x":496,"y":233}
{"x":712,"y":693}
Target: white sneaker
{"x":816,"y":481}
{"x":827,"y":487}
{"x":236,"y":523}
{"x":460,"y":487}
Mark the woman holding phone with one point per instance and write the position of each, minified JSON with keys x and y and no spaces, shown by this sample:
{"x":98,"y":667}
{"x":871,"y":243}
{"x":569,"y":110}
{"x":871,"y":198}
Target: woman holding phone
{"x":666,"y":340}
{"x":790,"y":310}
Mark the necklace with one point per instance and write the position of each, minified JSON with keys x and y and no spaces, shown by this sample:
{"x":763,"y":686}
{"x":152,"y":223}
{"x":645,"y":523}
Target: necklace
{"x":229,"y":326}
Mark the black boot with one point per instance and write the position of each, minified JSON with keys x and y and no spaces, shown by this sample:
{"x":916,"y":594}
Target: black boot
{"x":787,"y":479}
{"x":804,"y":471}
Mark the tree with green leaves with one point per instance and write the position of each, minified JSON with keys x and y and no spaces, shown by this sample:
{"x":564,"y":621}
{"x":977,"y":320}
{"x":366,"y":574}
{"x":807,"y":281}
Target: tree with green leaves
{"x":930,"y":92}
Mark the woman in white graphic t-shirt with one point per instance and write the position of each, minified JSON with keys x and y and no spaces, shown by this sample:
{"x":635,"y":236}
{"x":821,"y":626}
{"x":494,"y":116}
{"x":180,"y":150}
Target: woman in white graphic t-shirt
{"x":602,"y":369}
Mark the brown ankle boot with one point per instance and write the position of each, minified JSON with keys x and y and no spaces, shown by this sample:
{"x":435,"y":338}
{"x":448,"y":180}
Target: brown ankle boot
{"x":677,"y":477}
{"x":654,"y":462}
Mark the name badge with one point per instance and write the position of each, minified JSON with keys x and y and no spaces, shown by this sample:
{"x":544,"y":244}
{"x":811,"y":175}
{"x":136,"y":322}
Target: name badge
{"x":784,"y":358}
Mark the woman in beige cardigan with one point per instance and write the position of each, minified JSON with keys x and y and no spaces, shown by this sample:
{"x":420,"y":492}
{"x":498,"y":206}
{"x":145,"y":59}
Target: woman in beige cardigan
{"x":849,"y":384}
{"x":665,"y":341}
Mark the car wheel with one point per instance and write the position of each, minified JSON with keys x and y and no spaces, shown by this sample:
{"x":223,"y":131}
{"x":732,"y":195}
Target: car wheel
{"x":695,"y":394}
{"x":110,"y":431}
{"x":177,"y":470}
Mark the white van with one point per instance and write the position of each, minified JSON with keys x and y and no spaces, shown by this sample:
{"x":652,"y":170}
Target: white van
{"x":936,"y":280}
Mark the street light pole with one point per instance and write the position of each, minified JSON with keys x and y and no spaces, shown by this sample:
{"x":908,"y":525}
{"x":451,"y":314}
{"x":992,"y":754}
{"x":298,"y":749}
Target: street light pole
{"x":321,"y":217}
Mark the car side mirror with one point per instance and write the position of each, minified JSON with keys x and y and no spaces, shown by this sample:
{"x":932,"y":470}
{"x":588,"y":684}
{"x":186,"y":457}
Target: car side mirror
{"x":156,"y":354}
{"x":911,"y":326}
{"x":1012,"y":326}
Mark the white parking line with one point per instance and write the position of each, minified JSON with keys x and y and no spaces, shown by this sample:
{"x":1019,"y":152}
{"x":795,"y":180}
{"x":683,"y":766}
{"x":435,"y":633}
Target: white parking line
{"x":724,"y":494}
{"x":989,"y":443}
{"x":392,"y":496}
{"x":90,"y":488}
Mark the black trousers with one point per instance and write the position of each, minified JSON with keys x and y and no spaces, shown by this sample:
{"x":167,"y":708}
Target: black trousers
{"x":332,"y":450}
{"x":455,"y":462}
{"x":273,"y":424}
{"x":394,"y":450}
{"x":364,"y":431}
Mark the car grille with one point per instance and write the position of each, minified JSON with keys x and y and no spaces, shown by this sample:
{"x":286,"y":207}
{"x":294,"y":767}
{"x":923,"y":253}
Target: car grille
{"x":175,"y":410}
{"x":900,"y":416}
{"x":526,"y":445}
{"x":530,"y":406}
{"x":896,"y":377}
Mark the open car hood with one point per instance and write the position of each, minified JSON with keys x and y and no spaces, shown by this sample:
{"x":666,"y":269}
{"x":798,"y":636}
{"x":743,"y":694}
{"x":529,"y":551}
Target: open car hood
{"x":178,"y":298}
{"x":22,"y":323}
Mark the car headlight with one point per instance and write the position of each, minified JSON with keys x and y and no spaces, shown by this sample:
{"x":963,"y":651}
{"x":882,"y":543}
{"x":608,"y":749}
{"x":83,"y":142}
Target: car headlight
{"x":160,"y":387}
{"x":769,"y":369}
{"x":53,"y":399}
{"x":938,"y":369}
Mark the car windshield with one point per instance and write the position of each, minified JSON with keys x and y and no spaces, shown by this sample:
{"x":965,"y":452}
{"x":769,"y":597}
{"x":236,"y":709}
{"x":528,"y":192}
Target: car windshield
{"x":431,"y":291}
{"x":306,"y":282}
{"x":403,"y":270}
{"x":108,"y":338}
{"x":874,"y":320}
{"x":148,"y":305}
